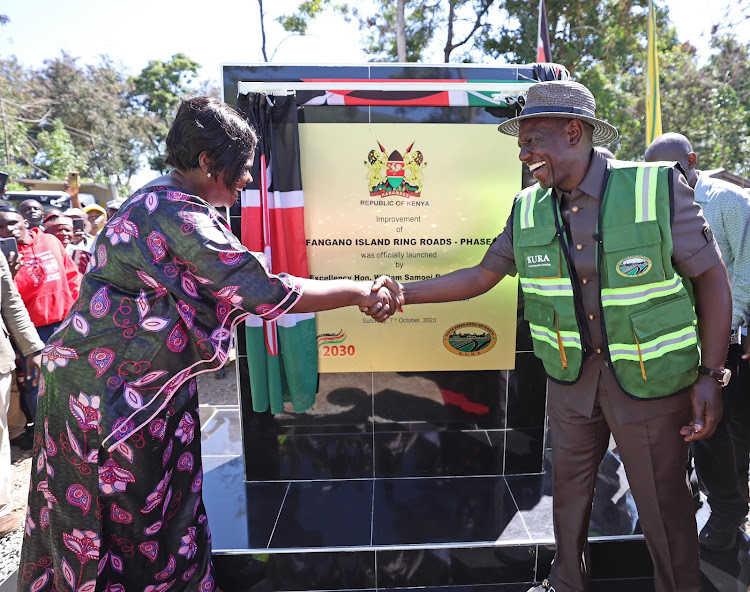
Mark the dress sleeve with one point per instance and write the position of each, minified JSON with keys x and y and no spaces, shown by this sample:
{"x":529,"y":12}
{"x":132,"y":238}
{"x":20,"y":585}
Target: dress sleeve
{"x":232,"y":274}
{"x":694,"y":249}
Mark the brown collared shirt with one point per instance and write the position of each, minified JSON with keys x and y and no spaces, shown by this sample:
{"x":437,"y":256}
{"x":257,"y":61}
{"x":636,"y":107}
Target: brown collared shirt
{"x":694,"y":251}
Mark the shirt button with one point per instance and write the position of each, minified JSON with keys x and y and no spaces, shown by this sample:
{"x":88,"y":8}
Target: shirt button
{"x":599,"y":350}
{"x":591,"y":317}
{"x":575,"y":209}
{"x":579,"y":247}
{"x":584,"y":281}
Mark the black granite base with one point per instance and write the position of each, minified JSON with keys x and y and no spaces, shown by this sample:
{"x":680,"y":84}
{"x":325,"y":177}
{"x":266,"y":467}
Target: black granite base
{"x":386,"y":525}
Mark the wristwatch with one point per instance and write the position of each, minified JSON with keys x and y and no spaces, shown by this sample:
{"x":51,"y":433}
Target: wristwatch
{"x":723,"y":376}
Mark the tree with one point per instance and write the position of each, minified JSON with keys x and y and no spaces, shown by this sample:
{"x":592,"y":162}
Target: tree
{"x":93,"y":102}
{"x":403,"y":30}
{"x":57,"y":154}
{"x":262,"y":31}
{"x":22,"y":107}
{"x":158,"y":90}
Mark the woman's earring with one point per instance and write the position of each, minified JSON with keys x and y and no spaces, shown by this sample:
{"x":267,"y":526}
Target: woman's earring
{"x":208,"y":175}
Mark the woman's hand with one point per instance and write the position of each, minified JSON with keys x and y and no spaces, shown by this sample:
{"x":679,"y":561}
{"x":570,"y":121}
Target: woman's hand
{"x":386,"y":297}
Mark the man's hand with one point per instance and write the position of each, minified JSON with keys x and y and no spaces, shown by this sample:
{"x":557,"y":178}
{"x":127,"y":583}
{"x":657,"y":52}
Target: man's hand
{"x":390,"y":294}
{"x":33,"y":365}
{"x":707,"y":409}
{"x":15,"y":262}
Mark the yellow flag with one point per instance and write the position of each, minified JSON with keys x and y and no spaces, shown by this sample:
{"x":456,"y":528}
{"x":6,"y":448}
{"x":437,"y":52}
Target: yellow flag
{"x":653,"y":104}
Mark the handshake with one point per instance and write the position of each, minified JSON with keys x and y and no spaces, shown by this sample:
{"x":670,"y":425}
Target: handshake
{"x":385,"y":298}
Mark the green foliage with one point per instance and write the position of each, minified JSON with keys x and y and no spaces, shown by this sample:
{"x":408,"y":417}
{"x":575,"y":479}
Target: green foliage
{"x":455,"y":22}
{"x":157,"y":91}
{"x":94,"y":102}
{"x":57,"y":154}
{"x":421,"y":21}
{"x":306,"y":11}
{"x":603,"y":45}
{"x":92,"y":118}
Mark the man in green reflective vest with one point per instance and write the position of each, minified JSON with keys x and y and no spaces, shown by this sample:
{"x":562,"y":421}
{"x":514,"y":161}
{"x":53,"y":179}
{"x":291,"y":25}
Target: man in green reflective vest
{"x":629,"y":309}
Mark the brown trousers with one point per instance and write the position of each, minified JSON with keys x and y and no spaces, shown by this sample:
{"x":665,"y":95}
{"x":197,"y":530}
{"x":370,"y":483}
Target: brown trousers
{"x":654,"y":455}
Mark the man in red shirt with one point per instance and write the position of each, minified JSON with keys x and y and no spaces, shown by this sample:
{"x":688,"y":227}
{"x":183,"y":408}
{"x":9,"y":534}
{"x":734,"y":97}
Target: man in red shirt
{"x":47,"y":280}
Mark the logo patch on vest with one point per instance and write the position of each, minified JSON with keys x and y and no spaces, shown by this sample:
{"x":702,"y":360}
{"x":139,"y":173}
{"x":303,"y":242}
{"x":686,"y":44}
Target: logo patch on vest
{"x":538,"y":261}
{"x":634,"y":266}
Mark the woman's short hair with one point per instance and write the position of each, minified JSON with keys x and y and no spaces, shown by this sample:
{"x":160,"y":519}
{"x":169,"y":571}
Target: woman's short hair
{"x":205,"y":124}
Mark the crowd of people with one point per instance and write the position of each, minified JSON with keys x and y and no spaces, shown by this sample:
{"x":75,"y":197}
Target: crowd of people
{"x":635,"y":282}
{"x":43,"y":272}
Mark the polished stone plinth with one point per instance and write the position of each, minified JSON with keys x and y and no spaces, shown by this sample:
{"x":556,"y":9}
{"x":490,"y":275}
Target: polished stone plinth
{"x":376,"y":524}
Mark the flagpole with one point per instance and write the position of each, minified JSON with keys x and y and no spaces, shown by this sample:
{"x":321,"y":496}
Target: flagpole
{"x":543,"y":51}
{"x":653,"y":102}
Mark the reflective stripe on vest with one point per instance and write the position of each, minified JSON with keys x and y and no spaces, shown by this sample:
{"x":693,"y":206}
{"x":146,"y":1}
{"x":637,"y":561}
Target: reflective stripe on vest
{"x":637,"y":294}
{"x":654,"y":348}
{"x":547,"y":286}
{"x":645,"y":194}
{"x":569,"y":338}
{"x":527,"y":205}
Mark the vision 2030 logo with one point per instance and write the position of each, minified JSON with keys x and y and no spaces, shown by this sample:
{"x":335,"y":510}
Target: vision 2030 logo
{"x":633,"y":266}
{"x":330,"y":345}
{"x":469,"y":339}
{"x":393,"y":174}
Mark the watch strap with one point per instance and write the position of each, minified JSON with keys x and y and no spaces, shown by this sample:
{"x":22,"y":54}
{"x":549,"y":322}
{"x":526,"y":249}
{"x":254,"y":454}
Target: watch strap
{"x":712,"y":372}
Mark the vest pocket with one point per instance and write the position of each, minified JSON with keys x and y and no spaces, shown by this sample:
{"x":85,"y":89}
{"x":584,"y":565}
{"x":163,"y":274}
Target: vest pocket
{"x":544,"y":330}
{"x":632,"y":255}
{"x":666,"y":342}
{"x":540,"y":249}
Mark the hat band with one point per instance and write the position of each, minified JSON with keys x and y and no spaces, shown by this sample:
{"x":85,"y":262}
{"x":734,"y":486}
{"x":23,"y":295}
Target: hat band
{"x":573,"y":110}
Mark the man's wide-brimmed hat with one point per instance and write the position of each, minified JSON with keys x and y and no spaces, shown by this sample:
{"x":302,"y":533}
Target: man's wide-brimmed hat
{"x":562,"y":98}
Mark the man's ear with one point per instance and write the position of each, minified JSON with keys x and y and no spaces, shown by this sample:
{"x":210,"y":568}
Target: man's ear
{"x":692,"y":160}
{"x":575,"y":132}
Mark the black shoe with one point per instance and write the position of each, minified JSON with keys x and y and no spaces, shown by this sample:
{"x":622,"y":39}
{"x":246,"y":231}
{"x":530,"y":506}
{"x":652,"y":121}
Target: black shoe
{"x":718,"y":534}
{"x":24,"y":441}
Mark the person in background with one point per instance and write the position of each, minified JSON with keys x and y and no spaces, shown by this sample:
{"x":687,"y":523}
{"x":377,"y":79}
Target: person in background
{"x":32,"y":211}
{"x":59,"y":226}
{"x":82,"y":243}
{"x":18,"y":421}
{"x":113,"y":206}
{"x":605,"y":152}
{"x":97,"y":217}
{"x":722,"y":461}
{"x":168,"y":284}
{"x":604,"y":271}
{"x":16,"y":321}
{"x":47,"y":280}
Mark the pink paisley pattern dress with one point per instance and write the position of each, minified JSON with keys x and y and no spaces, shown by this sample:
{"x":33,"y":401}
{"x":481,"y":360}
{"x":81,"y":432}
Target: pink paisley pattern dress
{"x":115,"y":500}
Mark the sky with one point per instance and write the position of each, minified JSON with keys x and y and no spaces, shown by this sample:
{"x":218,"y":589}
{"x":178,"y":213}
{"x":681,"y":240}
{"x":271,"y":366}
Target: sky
{"x":135,"y":32}
{"x":223,"y":31}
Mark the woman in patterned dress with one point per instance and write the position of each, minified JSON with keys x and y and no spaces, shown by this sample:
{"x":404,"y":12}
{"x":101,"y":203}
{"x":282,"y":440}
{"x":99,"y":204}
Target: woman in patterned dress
{"x":115,"y":499}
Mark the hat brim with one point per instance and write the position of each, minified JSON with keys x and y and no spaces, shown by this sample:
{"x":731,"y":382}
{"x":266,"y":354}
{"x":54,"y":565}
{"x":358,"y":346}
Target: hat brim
{"x":604,"y":133}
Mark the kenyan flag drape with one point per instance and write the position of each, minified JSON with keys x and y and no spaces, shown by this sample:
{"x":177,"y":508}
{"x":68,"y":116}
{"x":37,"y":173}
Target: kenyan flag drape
{"x":282,"y":354}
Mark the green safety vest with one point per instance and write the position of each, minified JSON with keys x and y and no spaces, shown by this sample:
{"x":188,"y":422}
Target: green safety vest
{"x":648,"y":319}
